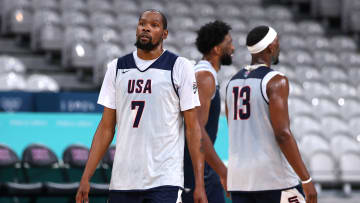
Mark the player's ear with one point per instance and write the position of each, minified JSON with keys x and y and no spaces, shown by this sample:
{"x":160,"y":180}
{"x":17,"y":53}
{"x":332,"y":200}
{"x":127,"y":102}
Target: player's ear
{"x":165,"y":34}
{"x":217,"y":50}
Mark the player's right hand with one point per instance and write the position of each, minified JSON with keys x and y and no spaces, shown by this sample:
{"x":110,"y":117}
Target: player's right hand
{"x":82,"y":195}
{"x":200,"y":195}
{"x":310,"y":192}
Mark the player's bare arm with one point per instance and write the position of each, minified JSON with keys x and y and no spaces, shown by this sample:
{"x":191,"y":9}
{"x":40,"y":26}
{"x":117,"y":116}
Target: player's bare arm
{"x":195,"y":144}
{"x":103,"y":136}
{"x":278,"y":92}
{"x":207,"y":88}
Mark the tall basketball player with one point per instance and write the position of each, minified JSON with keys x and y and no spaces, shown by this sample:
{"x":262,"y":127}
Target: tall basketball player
{"x":214,"y":41}
{"x":146,"y":95}
{"x":264,"y":161}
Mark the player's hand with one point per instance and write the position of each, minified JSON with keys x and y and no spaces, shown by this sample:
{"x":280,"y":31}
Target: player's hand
{"x":82,"y":195}
{"x":310,"y":192}
{"x":200,"y":195}
{"x":223,"y":180}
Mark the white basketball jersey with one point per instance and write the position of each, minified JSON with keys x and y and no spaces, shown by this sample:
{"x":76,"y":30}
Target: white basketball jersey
{"x":150,"y":140}
{"x":256,"y":162}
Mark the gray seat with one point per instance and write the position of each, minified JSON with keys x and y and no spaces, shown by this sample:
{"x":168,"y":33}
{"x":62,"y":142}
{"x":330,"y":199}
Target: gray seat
{"x":303,"y":124}
{"x":17,"y":17}
{"x":237,"y":25}
{"x":350,"y":15}
{"x":178,"y":9}
{"x":334,"y":73}
{"x":45,"y":5}
{"x":349,"y":164}
{"x":130,"y":36}
{"x":72,"y":5}
{"x":308,"y":28}
{"x":285,"y":28}
{"x":47,"y":29}
{"x":326,"y":58}
{"x":77,"y":50}
{"x":343,"y":143}
{"x":41,"y":83}
{"x":186,"y":38}
{"x":279,"y":13}
{"x":105,"y":35}
{"x":354,"y":124}
{"x":182,"y":23}
{"x":350,"y":59}
{"x":125,"y":6}
{"x":102,"y":19}
{"x":11,"y":64}
{"x":296,"y":89}
{"x":311,"y":143}
{"x":96,"y":6}
{"x":300,"y":57}
{"x":323,"y":168}
{"x":190,"y":52}
{"x":317,"y":43}
{"x":316,"y":89}
{"x":342,"y":89}
{"x":292,"y":42}
{"x":325,"y":106}
{"x":74,"y":18}
{"x":350,"y":107}
{"x":127,"y":21}
{"x":253,"y":12}
{"x":298,"y":106}
{"x":354,"y":74}
{"x":105,"y":53}
{"x":308,"y":73}
{"x":12,"y":81}
{"x":202,"y":9}
{"x":334,"y":124}
{"x":228,"y":10}
{"x":145,"y":5}
{"x":342,"y":44}
{"x":327,"y":8}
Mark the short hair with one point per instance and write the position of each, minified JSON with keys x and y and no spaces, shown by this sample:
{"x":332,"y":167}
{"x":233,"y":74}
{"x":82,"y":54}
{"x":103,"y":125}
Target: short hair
{"x":211,"y":35}
{"x":256,"y":35}
{"x":164,"y":19}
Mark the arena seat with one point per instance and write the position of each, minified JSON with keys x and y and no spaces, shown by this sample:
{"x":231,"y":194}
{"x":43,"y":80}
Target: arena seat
{"x":341,"y":143}
{"x":41,"y":83}
{"x":101,"y":19}
{"x":72,"y":5}
{"x":12,"y":82}
{"x":323,"y":168}
{"x":94,"y":6}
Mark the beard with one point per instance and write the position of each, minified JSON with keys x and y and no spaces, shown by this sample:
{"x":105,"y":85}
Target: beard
{"x":226,"y":59}
{"x":146,"y":46}
{"x":275,"y":60}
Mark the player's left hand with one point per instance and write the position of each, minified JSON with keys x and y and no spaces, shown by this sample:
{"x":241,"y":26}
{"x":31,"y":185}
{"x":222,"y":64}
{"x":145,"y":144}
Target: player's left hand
{"x":223,"y":180}
{"x":200,"y":195}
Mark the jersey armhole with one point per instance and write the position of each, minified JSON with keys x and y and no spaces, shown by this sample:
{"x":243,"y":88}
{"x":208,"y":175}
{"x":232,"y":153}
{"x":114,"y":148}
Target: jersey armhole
{"x":265,"y":81}
{"x":205,"y":69}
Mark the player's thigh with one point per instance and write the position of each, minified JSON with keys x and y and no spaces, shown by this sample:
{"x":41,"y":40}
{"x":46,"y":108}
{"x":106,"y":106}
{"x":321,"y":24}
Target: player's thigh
{"x":215,"y":192}
{"x":129,"y":197}
{"x":164,"y":195}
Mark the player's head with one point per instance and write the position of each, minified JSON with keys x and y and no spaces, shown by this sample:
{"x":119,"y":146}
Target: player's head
{"x":151,"y":30}
{"x":264,"y":40}
{"x":215,"y":38}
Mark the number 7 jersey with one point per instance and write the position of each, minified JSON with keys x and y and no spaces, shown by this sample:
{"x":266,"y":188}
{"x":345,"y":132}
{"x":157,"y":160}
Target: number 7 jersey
{"x":149,"y":96}
{"x":256,"y":162}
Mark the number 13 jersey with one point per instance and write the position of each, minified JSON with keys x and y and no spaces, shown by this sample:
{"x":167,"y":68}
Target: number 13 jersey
{"x":148,"y":96}
{"x":256,"y":162}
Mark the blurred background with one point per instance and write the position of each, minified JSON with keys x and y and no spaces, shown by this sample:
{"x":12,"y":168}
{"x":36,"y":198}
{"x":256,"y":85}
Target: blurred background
{"x":53,"y":56}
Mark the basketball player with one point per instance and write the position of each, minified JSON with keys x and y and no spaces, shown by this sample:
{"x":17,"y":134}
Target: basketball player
{"x":215,"y":43}
{"x":264,"y":161}
{"x":145,"y":94}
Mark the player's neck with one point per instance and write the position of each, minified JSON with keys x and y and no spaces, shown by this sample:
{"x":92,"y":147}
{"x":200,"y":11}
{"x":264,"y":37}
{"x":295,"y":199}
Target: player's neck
{"x":261,"y":60}
{"x":150,"y":55}
{"x":215,"y":62}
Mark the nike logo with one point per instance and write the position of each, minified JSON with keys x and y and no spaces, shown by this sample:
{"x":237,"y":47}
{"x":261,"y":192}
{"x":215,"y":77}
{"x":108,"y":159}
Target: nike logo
{"x":125,"y":71}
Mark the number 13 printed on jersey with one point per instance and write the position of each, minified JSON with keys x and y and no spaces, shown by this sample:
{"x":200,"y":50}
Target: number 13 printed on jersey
{"x":241,"y":102}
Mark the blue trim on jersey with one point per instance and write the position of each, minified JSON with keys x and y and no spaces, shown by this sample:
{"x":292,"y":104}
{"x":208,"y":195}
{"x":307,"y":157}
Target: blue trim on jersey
{"x":165,"y":62}
{"x":258,"y":73}
{"x":163,"y":187}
